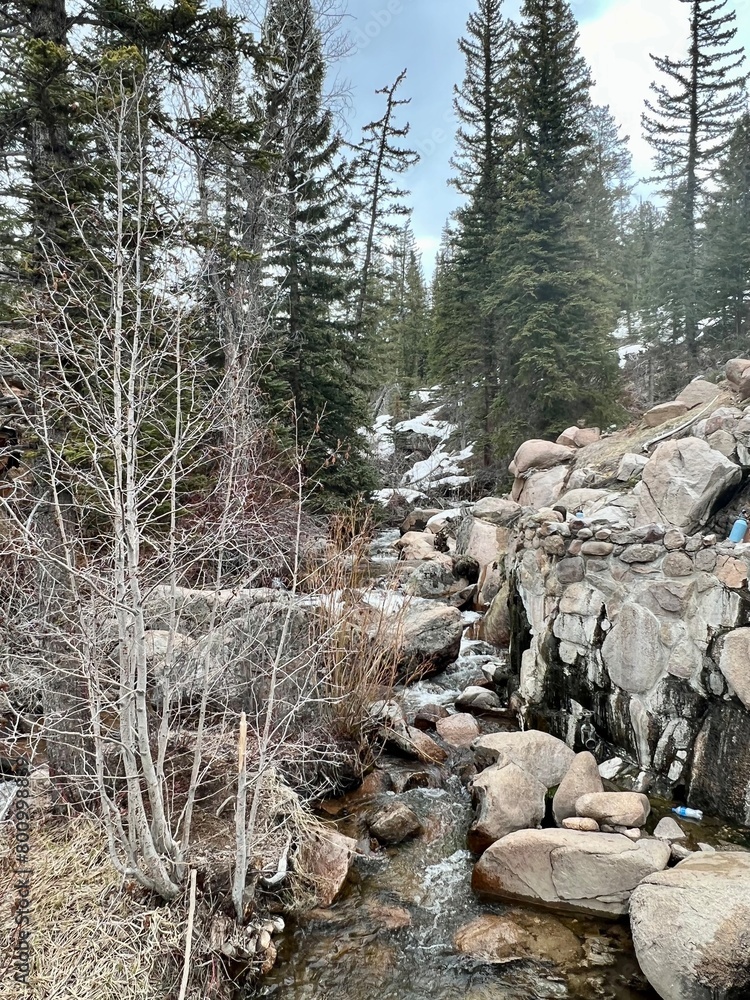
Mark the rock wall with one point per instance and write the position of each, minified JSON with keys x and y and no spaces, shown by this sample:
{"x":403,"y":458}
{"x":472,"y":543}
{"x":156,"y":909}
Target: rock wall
{"x":641,"y":631}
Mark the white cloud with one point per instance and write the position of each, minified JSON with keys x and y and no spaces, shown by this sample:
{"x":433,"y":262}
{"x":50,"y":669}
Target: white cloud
{"x":617,"y":46}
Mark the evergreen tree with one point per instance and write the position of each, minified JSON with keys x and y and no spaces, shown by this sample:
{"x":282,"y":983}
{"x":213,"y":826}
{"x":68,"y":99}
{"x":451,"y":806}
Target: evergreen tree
{"x":689,"y":123}
{"x":310,"y":265}
{"x":483,"y":106}
{"x":556,"y":301}
{"x":404,"y":327}
{"x":725,"y":269}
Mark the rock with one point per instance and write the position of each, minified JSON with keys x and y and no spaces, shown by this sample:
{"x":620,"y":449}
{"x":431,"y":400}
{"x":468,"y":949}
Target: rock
{"x":428,"y":715}
{"x":582,"y":777}
{"x":641,"y":553}
{"x":732,"y":572}
{"x":744,"y":388}
{"x":542,"y":755}
{"x":495,"y":627}
{"x":628,"y":809}
{"x":480,"y":539}
{"x":429,"y":636}
{"x":458,"y":730}
{"x":416,"y":545}
{"x":478,"y":699}
{"x":679,"y":852}
{"x":324,"y":857}
{"x":579,"y":437}
{"x":674,"y":539}
{"x":568,"y":870}
{"x":395,"y":823}
{"x":683,"y":482}
{"x":720,"y":775}
{"x":432,"y":581}
{"x":705,"y":904}
{"x":582,"y":823}
{"x":669,"y":829}
{"x":698,"y":393}
{"x":571,"y":570}
{"x":509,"y":799}
{"x":593,"y":548}
{"x":677,"y":564}
{"x":633,"y":652}
{"x":539,"y":455}
{"x":417,"y":519}
{"x":664,"y":412}
{"x":519,"y":934}
{"x":736,"y":369}
{"x":497,"y":510}
{"x":631,"y":466}
{"x":415,"y":743}
{"x":734,"y":663}
{"x":445,"y":519}
{"x":489,"y":584}
{"x":543,"y":488}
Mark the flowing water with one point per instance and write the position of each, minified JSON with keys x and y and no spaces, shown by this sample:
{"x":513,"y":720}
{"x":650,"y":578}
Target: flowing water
{"x":392,"y":936}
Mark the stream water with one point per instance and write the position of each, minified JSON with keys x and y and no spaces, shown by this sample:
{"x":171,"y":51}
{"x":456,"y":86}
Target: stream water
{"x":392,"y":936}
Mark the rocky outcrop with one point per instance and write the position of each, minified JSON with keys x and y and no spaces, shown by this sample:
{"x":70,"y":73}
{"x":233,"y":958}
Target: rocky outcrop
{"x":705,"y":904}
{"x":683,"y":482}
{"x":568,"y":870}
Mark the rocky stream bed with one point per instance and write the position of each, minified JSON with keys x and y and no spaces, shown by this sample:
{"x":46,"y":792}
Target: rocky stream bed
{"x":407,"y":924}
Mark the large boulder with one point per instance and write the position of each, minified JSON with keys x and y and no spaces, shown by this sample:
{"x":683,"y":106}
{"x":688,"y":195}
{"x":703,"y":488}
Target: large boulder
{"x":543,"y":488}
{"x":429,"y":636}
{"x":568,"y":870}
{"x":582,"y":778}
{"x":682,"y":484}
{"x":539,"y":754}
{"x":736,"y":369}
{"x":480,"y":539}
{"x":691,"y":928}
{"x":633,"y":651}
{"x":579,"y":437}
{"x":509,"y":799}
{"x":698,"y":393}
{"x":664,"y":412}
{"x":495,"y":627}
{"x":734,"y":663}
{"x":538,"y":455}
{"x":437,"y":582}
{"x":497,"y":510}
{"x":459,"y":730}
{"x":417,"y":545}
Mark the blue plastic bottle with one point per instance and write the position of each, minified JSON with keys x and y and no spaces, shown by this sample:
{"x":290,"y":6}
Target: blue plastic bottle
{"x":686,"y":813}
{"x":740,"y":528}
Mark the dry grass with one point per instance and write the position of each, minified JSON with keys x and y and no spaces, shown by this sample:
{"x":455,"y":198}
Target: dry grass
{"x":90,"y":936}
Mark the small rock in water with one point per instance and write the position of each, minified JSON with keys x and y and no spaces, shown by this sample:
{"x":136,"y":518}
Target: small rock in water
{"x":669,"y":829}
{"x":679,"y":852}
{"x":458,"y":730}
{"x":519,"y":934}
{"x":478,"y":699}
{"x":580,"y":823}
{"x":395,"y":823}
{"x":428,"y":715}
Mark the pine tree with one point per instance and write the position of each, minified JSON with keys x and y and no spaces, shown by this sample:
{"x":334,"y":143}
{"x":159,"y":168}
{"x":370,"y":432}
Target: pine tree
{"x":555,"y":300}
{"x":483,"y":106}
{"x":310,"y":265}
{"x":404,"y":326}
{"x":689,"y":123}
{"x":725,"y":268}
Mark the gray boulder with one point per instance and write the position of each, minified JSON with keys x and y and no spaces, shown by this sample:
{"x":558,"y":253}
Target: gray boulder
{"x":430,"y":636}
{"x":582,"y":777}
{"x":539,"y":754}
{"x":683,"y":482}
{"x":626,"y":809}
{"x":633,"y":651}
{"x":568,"y":870}
{"x":691,"y":928}
{"x":509,"y":799}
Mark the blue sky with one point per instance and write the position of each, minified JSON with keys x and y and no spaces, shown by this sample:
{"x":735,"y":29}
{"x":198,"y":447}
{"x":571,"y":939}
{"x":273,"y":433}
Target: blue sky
{"x":421,"y":36}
